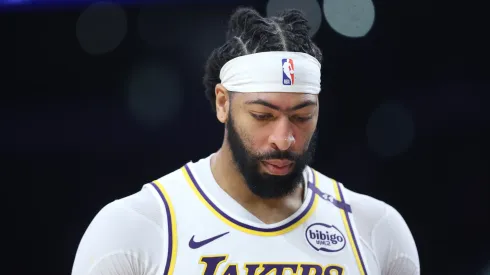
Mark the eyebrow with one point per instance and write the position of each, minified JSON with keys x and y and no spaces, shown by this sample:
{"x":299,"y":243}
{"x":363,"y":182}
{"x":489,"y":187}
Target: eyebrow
{"x":275,"y":107}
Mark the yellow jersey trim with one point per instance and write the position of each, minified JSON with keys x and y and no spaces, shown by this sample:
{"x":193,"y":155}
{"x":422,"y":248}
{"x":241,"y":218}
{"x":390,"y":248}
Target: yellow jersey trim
{"x":172,"y":252}
{"x":244,"y":227}
{"x":350,"y":234}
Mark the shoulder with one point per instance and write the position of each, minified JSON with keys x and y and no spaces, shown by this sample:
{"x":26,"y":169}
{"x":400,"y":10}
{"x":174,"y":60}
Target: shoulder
{"x":382,"y":231}
{"x":174,"y":179}
{"x":385,"y":233}
{"x":367,"y":211}
{"x":127,"y":236}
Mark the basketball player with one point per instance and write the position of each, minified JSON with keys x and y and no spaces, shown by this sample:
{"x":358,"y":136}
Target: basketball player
{"x":254,"y":206}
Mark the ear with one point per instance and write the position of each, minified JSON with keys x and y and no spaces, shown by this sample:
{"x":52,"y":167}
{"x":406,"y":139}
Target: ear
{"x":222,"y":103}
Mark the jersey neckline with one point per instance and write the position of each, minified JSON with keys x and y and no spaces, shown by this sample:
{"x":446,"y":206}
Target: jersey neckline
{"x":282,"y":227}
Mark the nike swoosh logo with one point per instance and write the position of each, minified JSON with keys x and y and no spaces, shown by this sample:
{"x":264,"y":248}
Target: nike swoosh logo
{"x":194,"y":244}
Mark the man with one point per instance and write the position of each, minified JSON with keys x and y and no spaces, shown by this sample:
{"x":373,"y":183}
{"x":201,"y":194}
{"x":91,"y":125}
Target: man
{"x":255,"y":206}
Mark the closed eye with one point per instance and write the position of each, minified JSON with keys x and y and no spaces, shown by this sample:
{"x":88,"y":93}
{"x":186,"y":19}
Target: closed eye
{"x":261,"y":116}
{"x":302,"y":118}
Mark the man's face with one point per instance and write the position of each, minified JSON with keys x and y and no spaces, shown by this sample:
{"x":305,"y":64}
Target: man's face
{"x":272,"y":139}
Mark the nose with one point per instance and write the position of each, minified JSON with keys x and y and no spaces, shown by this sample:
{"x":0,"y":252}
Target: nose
{"x":282,"y":137}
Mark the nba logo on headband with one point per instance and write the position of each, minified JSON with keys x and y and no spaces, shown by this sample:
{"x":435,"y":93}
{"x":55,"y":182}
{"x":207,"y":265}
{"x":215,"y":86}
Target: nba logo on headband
{"x":261,"y":73}
{"x":287,"y":71}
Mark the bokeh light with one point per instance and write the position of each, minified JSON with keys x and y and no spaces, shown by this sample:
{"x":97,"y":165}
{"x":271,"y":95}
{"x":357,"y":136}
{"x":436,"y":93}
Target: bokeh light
{"x":390,"y":129}
{"x":311,"y":9}
{"x":154,"y":93}
{"x":486,"y":270}
{"x":101,"y":28}
{"x":351,"y":18}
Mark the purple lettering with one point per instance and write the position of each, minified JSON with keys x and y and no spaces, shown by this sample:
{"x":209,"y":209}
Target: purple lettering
{"x":231,"y":270}
{"x":212,"y":264}
{"x":251,"y":268}
{"x":279,"y":268}
{"x":307,"y":268}
{"x":333,"y":270}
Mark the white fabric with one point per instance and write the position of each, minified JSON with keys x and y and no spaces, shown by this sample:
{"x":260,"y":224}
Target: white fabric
{"x":124,"y":238}
{"x":127,"y":236}
{"x":267,"y":72}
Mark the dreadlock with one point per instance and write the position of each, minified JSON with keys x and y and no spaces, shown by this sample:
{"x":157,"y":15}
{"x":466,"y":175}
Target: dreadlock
{"x":249,"y":32}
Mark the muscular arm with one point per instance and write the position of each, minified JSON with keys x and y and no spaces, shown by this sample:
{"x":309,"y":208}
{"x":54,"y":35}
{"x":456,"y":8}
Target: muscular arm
{"x":125,"y":238}
{"x":394,"y":245}
{"x":385,"y":236}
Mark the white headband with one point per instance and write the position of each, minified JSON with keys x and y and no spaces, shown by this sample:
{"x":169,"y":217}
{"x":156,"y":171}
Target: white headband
{"x":290,"y":72}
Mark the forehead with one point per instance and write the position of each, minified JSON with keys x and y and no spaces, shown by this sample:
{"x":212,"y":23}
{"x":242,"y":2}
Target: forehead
{"x":282,"y":100}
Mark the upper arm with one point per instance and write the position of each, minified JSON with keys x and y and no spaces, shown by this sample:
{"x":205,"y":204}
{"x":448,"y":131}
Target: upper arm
{"x":385,"y":235}
{"x":121,"y":240}
{"x":394,"y":245}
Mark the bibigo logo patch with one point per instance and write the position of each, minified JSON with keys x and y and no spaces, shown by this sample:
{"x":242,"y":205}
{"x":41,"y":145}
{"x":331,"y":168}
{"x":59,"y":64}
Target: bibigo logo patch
{"x":324,"y":237}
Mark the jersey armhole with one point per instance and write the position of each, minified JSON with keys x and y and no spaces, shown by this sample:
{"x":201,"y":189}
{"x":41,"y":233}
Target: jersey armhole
{"x":167,"y":209}
{"x":350,"y":226}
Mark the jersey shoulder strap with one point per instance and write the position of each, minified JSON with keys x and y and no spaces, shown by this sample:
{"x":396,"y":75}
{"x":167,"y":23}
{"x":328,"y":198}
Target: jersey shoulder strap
{"x":334,"y":192}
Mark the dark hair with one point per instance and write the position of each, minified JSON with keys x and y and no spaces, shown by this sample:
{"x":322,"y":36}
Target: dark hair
{"x":249,"y":32}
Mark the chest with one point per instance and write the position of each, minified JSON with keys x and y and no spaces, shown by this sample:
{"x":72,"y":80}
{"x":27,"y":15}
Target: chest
{"x":316,"y":245}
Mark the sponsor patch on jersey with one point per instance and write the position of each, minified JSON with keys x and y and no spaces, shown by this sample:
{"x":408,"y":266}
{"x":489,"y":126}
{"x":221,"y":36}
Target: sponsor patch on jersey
{"x":325,"y":238}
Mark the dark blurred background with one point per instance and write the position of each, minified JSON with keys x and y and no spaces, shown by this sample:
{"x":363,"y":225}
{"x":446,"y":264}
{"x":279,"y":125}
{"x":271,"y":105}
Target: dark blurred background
{"x":105,"y":97}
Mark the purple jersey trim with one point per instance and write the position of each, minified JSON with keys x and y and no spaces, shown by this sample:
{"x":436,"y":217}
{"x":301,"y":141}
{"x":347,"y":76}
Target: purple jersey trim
{"x":169,"y":225}
{"x":224,"y":215}
{"x":351,"y":230}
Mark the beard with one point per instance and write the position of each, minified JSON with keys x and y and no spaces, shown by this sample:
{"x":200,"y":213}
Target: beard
{"x":265,"y":185}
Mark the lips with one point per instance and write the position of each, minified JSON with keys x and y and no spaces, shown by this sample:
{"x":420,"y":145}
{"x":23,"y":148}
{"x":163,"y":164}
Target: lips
{"x":278,"y":167}
{"x":278,"y":162}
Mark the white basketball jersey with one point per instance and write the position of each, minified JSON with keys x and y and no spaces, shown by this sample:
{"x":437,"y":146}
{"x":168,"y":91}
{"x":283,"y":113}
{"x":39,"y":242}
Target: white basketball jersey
{"x":204,"y":238}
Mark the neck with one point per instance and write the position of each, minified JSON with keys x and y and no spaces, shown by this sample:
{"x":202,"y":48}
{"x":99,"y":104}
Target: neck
{"x":230,"y":179}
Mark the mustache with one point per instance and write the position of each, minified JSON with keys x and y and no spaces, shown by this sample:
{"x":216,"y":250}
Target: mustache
{"x":278,"y":155}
